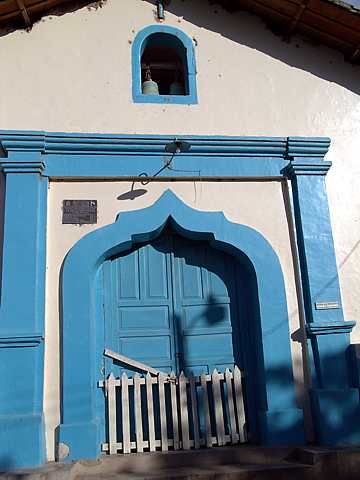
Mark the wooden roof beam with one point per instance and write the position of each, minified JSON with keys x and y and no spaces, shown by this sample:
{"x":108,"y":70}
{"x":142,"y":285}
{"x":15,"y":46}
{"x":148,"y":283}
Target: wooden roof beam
{"x":24,"y":13}
{"x":294,"y":22}
{"x":354,"y":56}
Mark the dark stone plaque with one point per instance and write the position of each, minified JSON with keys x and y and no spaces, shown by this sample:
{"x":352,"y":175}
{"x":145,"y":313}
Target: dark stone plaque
{"x":79,"y":212}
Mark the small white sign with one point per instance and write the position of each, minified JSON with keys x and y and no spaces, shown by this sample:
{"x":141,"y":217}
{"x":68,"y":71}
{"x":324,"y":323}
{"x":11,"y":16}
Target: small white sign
{"x":326,"y":305}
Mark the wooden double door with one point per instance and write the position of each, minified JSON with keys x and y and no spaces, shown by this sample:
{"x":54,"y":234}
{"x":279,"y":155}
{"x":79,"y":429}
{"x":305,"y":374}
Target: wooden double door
{"x":172,"y":304}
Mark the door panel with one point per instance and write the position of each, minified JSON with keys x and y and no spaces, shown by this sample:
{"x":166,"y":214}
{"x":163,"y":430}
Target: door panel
{"x":204,"y":319}
{"x":139,"y":324}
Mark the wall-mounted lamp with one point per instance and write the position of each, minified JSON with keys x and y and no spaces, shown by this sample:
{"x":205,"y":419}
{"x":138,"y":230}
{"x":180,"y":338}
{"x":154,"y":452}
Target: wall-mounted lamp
{"x":177,"y":146}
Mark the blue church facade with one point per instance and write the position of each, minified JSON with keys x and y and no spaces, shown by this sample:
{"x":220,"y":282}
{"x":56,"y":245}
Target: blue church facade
{"x":30,"y":160}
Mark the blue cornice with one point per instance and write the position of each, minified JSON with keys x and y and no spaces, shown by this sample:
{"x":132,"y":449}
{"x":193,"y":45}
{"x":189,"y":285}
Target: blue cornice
{"x":12,"y":340}
{"x":306,"y":166}
{"x":307,"y":146}
{"x":100,"y":144}
{"x":24,"y":167}
{"x":327,"y":328}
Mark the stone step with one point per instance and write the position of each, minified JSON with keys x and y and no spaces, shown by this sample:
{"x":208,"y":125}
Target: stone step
{"x":145,"y":462}
{"x":282,"y":471}
{"x":224,"y":463}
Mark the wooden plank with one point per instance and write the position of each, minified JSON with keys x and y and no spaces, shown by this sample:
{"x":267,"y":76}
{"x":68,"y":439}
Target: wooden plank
{"x":230,"y":401}
{"x":138,"y":414}
{"x":218,"y":408}
{"x":184,"y":413}
{"x":111,"y":388}
{"x":24,"y":13}
{"x":240,"y":411}
{"x":125,"y":413}
{"x":150,"y":408}
{"x":208,"y":433}
{"x":174,"y":411}
{"x":131,"y":362}
{"x":194,"y":409}
{"x":163,"y":421}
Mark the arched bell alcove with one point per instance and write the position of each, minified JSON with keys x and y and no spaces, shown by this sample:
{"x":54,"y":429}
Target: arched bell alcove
{"x":279,"y":420}
{"x":169,"y":55}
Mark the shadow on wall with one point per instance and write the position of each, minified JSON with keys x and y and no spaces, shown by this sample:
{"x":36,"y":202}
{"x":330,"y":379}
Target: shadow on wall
{"x":249,"y":30}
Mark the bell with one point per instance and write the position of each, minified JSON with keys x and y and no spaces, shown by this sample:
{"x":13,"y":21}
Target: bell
{"x":176,"y":88}
{"x":149,"y":87}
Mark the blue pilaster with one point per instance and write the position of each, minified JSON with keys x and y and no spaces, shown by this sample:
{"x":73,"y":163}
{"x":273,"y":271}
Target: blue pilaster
{"x":335,"y":405}
{"x":22,"y":312}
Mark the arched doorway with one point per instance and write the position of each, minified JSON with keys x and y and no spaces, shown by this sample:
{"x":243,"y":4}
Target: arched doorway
{"x":178,"y":304}
{"x":278,"y":419}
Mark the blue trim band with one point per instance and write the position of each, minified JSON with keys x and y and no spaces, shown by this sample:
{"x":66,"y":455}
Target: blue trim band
{"x":136,"y":53}
{"x":115,"y":156}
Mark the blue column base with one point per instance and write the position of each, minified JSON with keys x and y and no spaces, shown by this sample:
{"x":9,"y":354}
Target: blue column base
{"x":336,"y":416}
{"x":282,"y":427}
{"x":82,"y":439}
{"x":22,"y":441}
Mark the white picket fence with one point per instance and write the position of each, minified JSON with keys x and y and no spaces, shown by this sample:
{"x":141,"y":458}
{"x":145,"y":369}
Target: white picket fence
{"x":203,"y":411}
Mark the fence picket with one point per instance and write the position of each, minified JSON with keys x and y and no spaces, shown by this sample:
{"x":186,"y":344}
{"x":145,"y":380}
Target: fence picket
{"x":219,"y":414}
{"x":208,"y":433}
{"x":112,"y":412}
{"x":125,"y":413}
{"x":138,"y":415}
{"x":162,"y":405}
{"x":150,"y":411}
{"x":174,"y":410}
{"x":230,"y":401}
{"x":239,"y":404}
{"x":184,"y":415}
{"x":194,"y":409}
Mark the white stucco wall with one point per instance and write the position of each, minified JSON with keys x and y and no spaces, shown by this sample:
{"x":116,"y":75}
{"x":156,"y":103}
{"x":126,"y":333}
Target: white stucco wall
{"x":72,"y":73}
{"x":260,"y":205}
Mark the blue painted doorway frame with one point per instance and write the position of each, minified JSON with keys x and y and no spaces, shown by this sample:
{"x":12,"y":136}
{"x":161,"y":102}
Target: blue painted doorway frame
{"x":279,"y":419}
{"x":29,"y":159}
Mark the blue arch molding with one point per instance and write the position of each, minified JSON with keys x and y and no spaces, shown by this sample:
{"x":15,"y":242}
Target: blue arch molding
{"x":136,"y":52}
{"x":280,"y":421}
